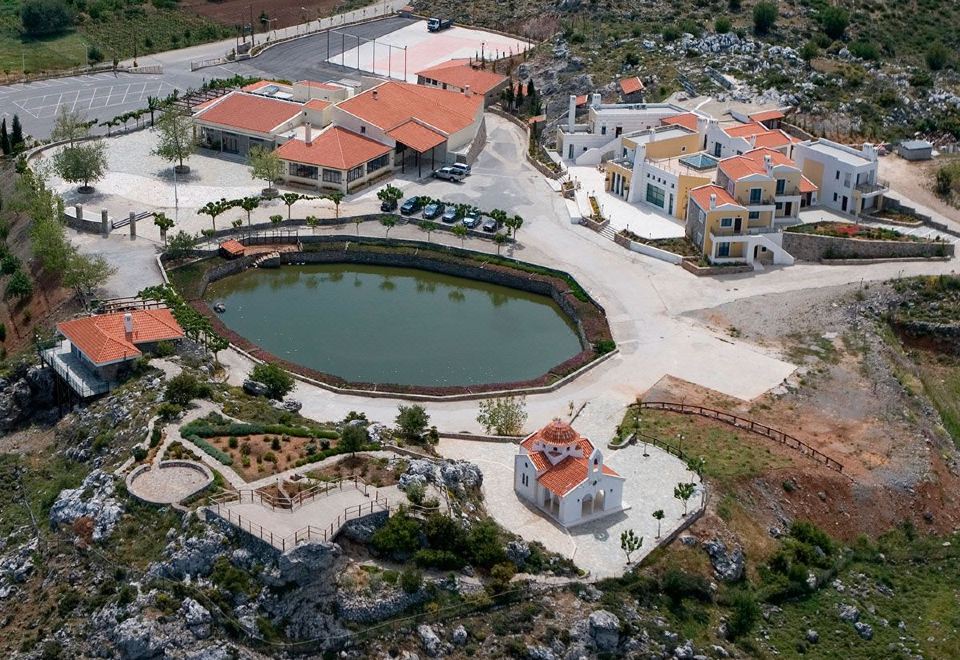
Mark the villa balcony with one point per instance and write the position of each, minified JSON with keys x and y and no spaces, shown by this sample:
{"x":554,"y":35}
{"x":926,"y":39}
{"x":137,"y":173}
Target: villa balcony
{"x":872,"y":188}
{"x":81,"y":379}
{"x":576,"y":128}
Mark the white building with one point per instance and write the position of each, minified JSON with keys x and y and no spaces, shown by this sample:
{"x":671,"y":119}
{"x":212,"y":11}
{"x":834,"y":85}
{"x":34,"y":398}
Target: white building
{"x":562,"y":474}
{"x":846,"y":177}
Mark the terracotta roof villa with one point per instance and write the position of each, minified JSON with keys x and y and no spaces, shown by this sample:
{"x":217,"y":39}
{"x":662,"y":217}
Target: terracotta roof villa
{"x":96,"y":351}
{"x":563,"y":475}
{"x":335,"y":158}
{"x":240,"y":120}
{"x":460,"y":75}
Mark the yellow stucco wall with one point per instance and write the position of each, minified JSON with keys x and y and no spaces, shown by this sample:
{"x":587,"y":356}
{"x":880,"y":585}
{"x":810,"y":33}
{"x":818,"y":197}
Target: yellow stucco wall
{"x":685,"y":184}
{"x":712,"y":226}
{"x":813,"y":170}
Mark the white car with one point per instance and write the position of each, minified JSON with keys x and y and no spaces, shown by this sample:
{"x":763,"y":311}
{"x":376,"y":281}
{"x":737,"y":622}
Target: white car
{"x":448,"y":174}
{"x":463,"y":168}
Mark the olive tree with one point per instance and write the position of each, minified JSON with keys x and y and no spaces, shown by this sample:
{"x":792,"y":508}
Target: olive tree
{"x":265,"y":165}
{"x":505,"y":416}
{"x":176,"y":141}
{"x":81,"y":163}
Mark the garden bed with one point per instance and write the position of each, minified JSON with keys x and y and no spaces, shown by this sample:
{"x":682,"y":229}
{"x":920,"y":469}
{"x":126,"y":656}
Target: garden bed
{"x":848,"y":230}
{"x":680,"y":245}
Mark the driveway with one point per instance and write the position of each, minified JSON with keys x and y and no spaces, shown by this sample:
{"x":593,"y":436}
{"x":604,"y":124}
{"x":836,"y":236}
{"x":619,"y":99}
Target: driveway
{"x":595,"y":546}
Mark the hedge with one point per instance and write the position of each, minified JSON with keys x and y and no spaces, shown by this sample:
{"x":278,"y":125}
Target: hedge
{"x":333,"y":451}
{"x":205,"y":429}
{"x":220,"y":456}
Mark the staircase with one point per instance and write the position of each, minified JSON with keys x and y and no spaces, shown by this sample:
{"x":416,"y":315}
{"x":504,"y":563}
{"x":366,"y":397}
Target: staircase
{"x":267,"y":260}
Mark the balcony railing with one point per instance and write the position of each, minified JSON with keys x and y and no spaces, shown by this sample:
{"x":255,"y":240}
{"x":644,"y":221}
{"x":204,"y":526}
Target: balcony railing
{"x":871,"y":187}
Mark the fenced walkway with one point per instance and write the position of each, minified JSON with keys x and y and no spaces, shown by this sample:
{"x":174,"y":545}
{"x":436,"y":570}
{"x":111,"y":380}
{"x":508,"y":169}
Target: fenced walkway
{"x":748,"y":425}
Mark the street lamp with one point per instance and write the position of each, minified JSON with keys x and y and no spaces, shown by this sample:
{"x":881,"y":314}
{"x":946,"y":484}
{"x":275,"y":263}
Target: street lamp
{"x":680,"y":438}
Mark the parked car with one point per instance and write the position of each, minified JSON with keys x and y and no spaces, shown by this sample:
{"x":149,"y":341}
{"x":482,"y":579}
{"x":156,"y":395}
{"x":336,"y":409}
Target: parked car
{"x":388,"y":205}
{"x":450,"y":215}
{"x":448,"y":173}
{"x":464,"y":168}
{"x":471,"y":220}
{"x":490,"y":225}
{"x":411,"y":206}
{"x":433,"y":210}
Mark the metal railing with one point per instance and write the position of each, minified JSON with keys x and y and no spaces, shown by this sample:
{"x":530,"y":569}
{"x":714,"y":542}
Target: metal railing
{"x":748,"y":425}
{"x":873,"y":186}
{"x":293,"y":502}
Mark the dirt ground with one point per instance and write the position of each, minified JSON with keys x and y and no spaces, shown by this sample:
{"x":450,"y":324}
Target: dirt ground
{"x":852,"y":399}
{"x":374,"y":471}
{"x":292,"y":449}
{"x":914,"y":180}
{"x":238,"y":12}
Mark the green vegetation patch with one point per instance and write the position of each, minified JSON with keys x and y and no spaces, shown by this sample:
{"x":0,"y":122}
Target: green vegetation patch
{"x":29,"y":486}
{"x":848,"y":230}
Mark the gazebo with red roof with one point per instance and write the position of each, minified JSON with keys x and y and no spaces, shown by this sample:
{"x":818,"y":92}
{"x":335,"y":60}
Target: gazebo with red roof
{"x":563,"y":474}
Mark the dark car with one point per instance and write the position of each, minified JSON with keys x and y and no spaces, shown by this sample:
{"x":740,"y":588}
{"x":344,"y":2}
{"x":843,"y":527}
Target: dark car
{"x":450,"y":215}
{"x":433,"y":210}
{"x":490,"y":225}
{"x":388,"y":205}
{"x":471,"y":220}
{"x":411,"y":206}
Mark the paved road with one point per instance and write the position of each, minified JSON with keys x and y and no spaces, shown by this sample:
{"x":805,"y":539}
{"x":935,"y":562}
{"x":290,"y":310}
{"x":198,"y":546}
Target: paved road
{"x":103,"y":96}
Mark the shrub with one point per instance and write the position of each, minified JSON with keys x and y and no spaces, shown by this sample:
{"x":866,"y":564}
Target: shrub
{"x":168,"y":411}
{"x":670,"y":33}
{"x":944,"y":183}
{"x":270,"y":457}
{"x":484,"y":544}
{"x":352,"y":439}
{"x":937,"y":56}
{"x":734,"y":5}
{"x":500,"y":576}
{"x":722,"y":25}
{"x":275,"y":444}
{"x":41,"y":17}
{"x":445,"y":533}
{"x":156,"y":435}
{"x":324,"y":445}
{"x":233,"y":442}
{"x":94,"y":55}
{"x":809,"y":51}
{"x":442,"y":559}
{"x":745,"y":614}
{"x":604,"y":346}
{"x":865,"y":50}
{"x":764,"y":16}
{"x":411,"y":580}
{"x":400,"y":537}
{"x":139,"y":453}
{"x":183,"y":389}
{"x":218,"y":455}
{"x":834,"y":20}
{"x":415,"y":493}
{"x":278,"y":382}
{"x":164,"y":349}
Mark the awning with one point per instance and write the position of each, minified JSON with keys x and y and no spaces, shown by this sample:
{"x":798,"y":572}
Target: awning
{"x":417,"y":136}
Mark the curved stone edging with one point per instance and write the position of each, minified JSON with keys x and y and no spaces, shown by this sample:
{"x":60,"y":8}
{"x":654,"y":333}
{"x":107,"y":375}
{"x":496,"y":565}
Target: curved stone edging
{"x":147,"y":467}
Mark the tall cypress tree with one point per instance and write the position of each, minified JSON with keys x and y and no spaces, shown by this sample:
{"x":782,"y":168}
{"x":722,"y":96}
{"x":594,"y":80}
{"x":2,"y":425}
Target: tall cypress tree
{"x":16,"y":135}
{"x":4,"y":138}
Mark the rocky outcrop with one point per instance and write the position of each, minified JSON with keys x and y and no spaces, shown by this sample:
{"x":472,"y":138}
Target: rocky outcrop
{"x":432,"y":644}
{"x":16,"y":566}
{"x":728,"y":566}
{"x":369,"y":609}
{"x":604,"y":630}
{"x":255,"y":388}
{"x":518,"y":551}
{"x":192,"y":556}
{"x":197,"y":618}
{"x":93,"y":499}
{"x":27,"y":396}
{"x":458,"y":476}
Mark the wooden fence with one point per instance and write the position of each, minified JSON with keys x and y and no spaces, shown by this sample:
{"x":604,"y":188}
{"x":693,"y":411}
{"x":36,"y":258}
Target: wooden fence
{"x":291,"y":503}
{"x":747,"y":425}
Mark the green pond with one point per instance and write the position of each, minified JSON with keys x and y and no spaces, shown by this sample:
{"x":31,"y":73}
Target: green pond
{"x":403,"y":326}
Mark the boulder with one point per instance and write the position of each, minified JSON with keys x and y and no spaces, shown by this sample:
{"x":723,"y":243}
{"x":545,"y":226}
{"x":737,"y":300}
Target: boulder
{"x":728,"y":566}
{"x":518,"y":552}
{"x":604,"y":630}
{"x":849,"y":613}
{"x":255,"y":388}
{"x":459,"y":635}
{"x":93,"y":499}
{"x":429,"y":640}
{"x":197,"y":618}
{"x":685,"y":651}
{"x":193,"y":556}
{"x":303,"y":564}
{"x":865,"y":630}
{"x":137,"y":638}
{"x":812,"y":636}
{"x":540,"y":652}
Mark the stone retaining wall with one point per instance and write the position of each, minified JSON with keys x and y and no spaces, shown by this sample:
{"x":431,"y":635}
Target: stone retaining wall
{"x":692,"y":266}
{"x":810,"y":247}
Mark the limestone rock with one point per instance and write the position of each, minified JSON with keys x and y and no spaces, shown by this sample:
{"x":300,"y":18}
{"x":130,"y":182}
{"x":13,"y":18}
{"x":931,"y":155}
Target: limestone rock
{"x":812,"y":636}
{"x":518,"y":552}
{"x":540,"y":652}
{"x":849,"y":613}
{"x":93,"y":499}
{"x":604,"y":629}
{"x":865,"y":630}
{"x":137,"y":638}
{"x":193,"y":556}
{"x":255,"y":388}
{"x":197,"y":617}
{"x":460,"y":635}
{"x":728,"y":566}
{"x":429,"y":640}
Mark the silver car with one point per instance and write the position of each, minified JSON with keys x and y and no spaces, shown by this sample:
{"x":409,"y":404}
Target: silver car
{"x":448,"y":174}
{"x":463,"y":168}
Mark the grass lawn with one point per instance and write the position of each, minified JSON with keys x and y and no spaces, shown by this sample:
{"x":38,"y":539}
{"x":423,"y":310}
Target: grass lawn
{"x":730,"y":454}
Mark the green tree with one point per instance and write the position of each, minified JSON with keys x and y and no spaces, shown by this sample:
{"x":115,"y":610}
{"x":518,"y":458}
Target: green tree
{"x":658,"y":515}
{"x":389,"y":193}
{"x":84,"y":273}
{"x":399,"y":537}
{"x":16,"y":135}
{"x":19,"y":286}
{"x":630,"y":542}
{"x":504,"y":416}
{"x":764,"y":16}
{"x":500,"y":239}
{"x":291,"y":198}
{"x":513,"y":224}
{"x":412,"y":421}
{"x":10,"y":264}
{"x":153,"y":104}
{"x":184,"y":388}
{"x":248,"y":204}
{"x":313,"y":222}
{"x":164,"y":223}
{"x":81,"y":163}
{"x":388,"y":222}
{"x":43,"y":17}
{"x":684,"y":492}
{"x":353,"y":437}
{"x":834,"y":19}
{"x":336,"y":197}
{"x":460,"y":232}
{"x":176,"y":141}
{"x":5,"y":147}
{"x":278,"y":382}
{"x":276,"y":219}
{"x":428,"y":226}
{"x":180,"y":244}
{"x":265,"y":165}
{"x":214,"y":209}
{"x":69,"y":126}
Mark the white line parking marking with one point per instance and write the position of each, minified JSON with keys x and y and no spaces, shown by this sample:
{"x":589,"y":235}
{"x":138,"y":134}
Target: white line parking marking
{"x":92,"y":96}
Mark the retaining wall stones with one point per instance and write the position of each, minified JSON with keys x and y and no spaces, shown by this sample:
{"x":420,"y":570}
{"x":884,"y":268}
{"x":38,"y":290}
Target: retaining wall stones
{"x":809,"y":247}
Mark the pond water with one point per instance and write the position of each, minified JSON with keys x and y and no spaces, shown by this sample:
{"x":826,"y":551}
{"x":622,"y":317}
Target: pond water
{"x":396,"y":325}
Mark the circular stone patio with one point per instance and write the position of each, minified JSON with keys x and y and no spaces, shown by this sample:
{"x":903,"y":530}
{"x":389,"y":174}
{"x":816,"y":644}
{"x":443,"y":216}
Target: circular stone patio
{"x":169,"y":481}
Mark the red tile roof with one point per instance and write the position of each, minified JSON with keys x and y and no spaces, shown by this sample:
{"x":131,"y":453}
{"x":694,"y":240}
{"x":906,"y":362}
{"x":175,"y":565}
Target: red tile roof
{"x":631,"y":85}
{"x":702,"y":194}
{"x":806,"y":185}
{"x":249,"y":112}
{"x":104,"y":340}
{"x":460,"y":73}
{"x":687,"y":120}
{"x":766,"y":115}
{"x":557,"y":433}
{"x":391,"y":104}
{"x":335,"y":148}
{"x":778,"y":157}
{"x":582,"y":99}
{"x":752,"y":162}
{"x":746,"y":130}
{"x":565,"y":475}
{"x":540,"y":462}
{"x":233,"y":247}
{"x":317,"y":104}
{"x":771,"y":139}
{"x":417,"y":136}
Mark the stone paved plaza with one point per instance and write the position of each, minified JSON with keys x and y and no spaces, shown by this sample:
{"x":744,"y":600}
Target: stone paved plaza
{"x":594,"y":546}
{"x":168,"y":484}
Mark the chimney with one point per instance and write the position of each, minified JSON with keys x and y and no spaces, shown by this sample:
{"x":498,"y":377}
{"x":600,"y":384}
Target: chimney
{"x":768,"y":163}
{"x":374,"y":94}
{"x":753,"y":142}
{"x":596,"y":100}
{"x":572,"y":112}
{"x":869,"y":151}
{"x":308,"y":133}
{"x":713,"y":201}
{"x":128,"y":323}
{"x":467,"y":92}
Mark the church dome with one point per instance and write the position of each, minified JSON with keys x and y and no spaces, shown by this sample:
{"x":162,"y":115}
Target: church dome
{"x":558,"y":432}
